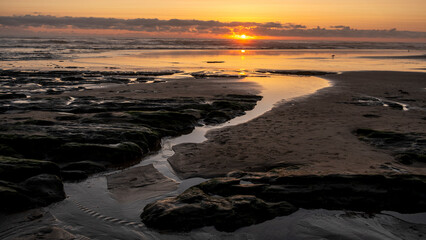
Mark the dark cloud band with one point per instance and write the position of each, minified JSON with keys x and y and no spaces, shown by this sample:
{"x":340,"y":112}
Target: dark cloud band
{"x":201,"y":27}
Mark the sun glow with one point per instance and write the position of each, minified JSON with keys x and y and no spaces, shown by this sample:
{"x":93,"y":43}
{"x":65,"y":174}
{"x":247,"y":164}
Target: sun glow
{"x":242,"y":36}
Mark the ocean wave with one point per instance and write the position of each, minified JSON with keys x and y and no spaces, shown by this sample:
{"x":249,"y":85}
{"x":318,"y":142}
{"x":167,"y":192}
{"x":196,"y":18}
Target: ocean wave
{"x":23,"y":48}
{"x":136,"y":43}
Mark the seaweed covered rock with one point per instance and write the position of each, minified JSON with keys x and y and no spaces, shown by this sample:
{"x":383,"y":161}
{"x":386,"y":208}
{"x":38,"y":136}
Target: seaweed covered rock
{"x":194,"y":208}
{"x":28,"y":183}
{"x":166,"y":122}
{"x":17,"y":170}
{"x":407,"y":148}
{"x":247,"y":198}
{"x":30,"y":146}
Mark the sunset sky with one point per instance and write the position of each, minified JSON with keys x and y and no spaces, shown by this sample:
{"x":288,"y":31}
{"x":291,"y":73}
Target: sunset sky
{"x":300,"y":18}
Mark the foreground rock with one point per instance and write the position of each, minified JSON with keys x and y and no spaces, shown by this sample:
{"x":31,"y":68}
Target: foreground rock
{"x":26,"y":183}
{"x":195,"y":208}
{"x":407,"y":148}
{"x":247,"y":198}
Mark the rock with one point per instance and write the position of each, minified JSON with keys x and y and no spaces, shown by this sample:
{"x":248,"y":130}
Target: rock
{"x":44,"y":189}
{"x":28,"y":183}
{"x":371,"y":116}
{"x":166,"y":122}
{"x":248,"y":198}
{"x":12,"y":96}
{"x":296,"y":72}
{"x":204,"y":74}
{"x":408,"y":158}
{"x":111,"y":154}
{"x":67,"y":118}
{"x":36,"y":191}
{"x":31,"y":146}
{"x":216,"y":117}
{"x":13,"y":197}
{"x":408,"y":148}
{"x":195,"y":209}
{"x":39,"y":122}
{"x":8,"y":151}
{"x":17,"y":170}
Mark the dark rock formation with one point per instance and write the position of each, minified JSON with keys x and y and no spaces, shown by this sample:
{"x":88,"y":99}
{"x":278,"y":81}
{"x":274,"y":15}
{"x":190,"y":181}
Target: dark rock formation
{"x":296,"y":72}
{"x":26,"y":183}
{"x":408,"y":148}
{"x":195,"y":208}
{"x":45,"y":120}
{"x":17,"y":170}
{"x":247,"y":198}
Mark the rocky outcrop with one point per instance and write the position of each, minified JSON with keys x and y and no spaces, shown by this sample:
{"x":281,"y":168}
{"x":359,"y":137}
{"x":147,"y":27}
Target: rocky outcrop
{"x":49,"y":117}
{"x":296,"y":72}
{"x":407,"y":148}
{"x":195,"y":208}
{"x":27,"y":183}
{"x":246,"y":198}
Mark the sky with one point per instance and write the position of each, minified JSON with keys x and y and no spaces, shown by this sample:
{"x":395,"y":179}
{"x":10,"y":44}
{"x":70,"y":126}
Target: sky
{"x":381,"y":19}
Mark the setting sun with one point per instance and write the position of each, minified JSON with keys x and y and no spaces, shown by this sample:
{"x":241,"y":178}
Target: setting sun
{"x":242,"y":36}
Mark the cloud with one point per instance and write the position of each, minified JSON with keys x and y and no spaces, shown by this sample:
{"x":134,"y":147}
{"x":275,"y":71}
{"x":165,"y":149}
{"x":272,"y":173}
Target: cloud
{"x":154,"y":25}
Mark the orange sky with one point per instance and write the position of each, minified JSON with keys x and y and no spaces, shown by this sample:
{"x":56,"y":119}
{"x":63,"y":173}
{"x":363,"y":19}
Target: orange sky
{"x":360,"y":14}
{"x":400,"y":14}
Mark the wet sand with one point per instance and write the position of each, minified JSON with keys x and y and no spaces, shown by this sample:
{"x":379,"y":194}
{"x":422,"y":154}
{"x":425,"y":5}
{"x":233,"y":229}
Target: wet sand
{"x":139,"y":183}
{"x":315,"y":134}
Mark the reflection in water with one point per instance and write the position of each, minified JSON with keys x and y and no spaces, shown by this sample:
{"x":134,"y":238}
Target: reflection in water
{"x":344,"y":60}
{"x":194,"y":60}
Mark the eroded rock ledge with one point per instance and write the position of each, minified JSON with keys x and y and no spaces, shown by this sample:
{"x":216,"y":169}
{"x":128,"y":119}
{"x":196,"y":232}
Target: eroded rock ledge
{"x":85,"y":122}
{"x":28,"y":183}
{"x":243,"y":198}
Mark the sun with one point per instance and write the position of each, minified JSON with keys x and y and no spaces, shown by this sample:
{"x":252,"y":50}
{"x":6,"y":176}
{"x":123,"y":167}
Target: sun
{"x":242,"y":36}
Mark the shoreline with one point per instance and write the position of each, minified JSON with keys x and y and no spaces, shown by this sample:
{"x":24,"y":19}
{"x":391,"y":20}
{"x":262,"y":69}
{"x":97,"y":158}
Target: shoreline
{"x":360,"y":146}
{"x":277,"y":126}
{"x":313,"y":132}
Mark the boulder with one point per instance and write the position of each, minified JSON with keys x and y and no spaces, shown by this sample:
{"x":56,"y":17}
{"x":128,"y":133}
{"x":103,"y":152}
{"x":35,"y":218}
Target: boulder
{"x":44,"y":189}
{"x":17,"y":170}
{"x":243,"y":199}
{"x":195,"y":209}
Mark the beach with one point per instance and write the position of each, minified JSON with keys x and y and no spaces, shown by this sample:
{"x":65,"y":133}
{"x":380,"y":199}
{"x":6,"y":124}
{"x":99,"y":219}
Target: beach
{"x":217,"y":120}
{"x":315,"y":134}
{"x":123,"y":144}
